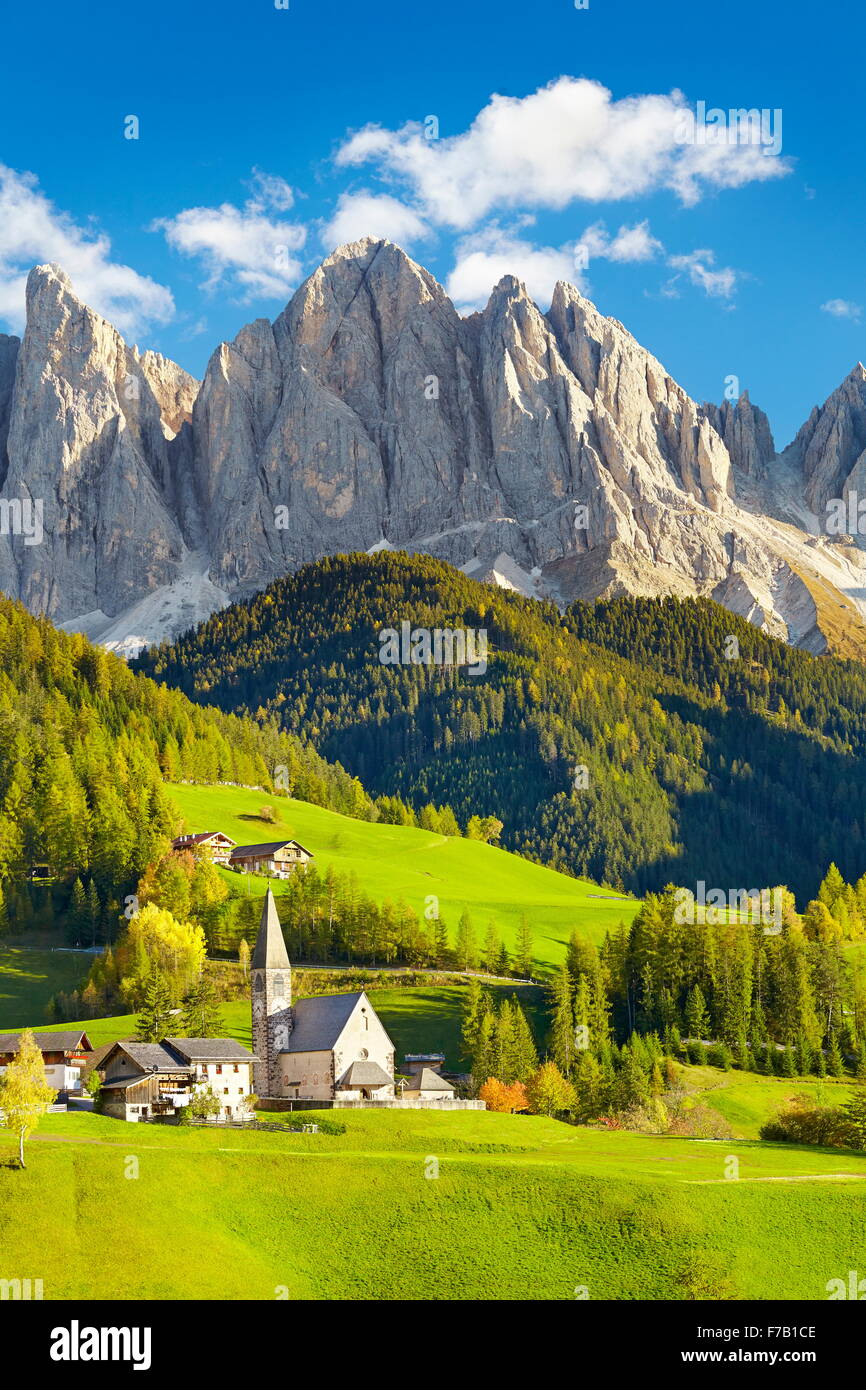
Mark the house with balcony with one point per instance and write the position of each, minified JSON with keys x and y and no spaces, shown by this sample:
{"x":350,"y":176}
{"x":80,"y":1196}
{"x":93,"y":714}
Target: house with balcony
{"x":142,"y":1081}
{"x":212,"y":842}
{"x":277,"y":859}
{"x":65,"y":1055}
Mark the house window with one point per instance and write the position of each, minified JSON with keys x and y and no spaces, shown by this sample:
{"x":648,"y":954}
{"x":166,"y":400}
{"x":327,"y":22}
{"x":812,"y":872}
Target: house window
{"x":219,"y":1071}
{"x":225,"y":1090}
{"x":315,"y":1078}
{"x":237,"y":1068}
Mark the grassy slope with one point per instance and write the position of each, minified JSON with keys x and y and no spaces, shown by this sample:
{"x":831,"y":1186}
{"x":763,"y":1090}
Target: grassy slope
{"x":399,"y":862}
{"x":523,"y":1208}
{"x":28,"y":979}
{"x":746,"y":1100}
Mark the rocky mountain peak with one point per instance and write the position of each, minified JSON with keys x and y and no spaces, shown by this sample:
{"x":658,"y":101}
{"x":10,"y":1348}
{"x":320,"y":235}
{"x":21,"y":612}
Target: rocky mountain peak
{"x":554,"y":450}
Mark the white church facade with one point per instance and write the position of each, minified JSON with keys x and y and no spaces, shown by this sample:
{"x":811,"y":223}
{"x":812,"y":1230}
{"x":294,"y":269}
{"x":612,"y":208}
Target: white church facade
{"x":332,"y":1048}
{"x":327,"y":1048}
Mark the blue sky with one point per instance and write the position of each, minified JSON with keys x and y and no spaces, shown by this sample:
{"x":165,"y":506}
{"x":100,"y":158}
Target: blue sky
{"x":255,"y":155}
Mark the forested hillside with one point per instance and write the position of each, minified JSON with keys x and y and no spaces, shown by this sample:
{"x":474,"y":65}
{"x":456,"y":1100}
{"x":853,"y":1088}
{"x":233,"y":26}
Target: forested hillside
{"x":84,"y":747}
{"x":635,"y":743}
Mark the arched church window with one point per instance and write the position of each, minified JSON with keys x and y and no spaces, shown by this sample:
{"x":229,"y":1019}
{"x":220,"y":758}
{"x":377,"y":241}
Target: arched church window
{"x":260,"y":984}
{"x":278,"y":984}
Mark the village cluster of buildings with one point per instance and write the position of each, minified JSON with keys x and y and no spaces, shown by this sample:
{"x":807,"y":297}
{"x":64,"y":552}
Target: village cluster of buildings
{"x":325,"y":1051}
{"x":276,"y":858}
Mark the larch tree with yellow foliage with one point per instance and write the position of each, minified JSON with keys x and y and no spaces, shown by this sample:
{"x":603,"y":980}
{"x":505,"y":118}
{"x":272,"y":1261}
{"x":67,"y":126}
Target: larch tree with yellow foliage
{"x":24,"y":1093}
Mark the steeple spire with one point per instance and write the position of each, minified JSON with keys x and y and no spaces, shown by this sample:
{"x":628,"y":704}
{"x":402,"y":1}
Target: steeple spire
{"x":270,"y":950}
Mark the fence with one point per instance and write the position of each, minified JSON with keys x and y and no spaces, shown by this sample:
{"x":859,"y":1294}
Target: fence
{"x":221,"y":1122}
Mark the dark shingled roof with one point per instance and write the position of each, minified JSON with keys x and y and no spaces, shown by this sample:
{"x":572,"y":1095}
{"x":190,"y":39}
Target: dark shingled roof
{"x":153,"y":1056}
{"x":200,"y":838}
{"x":428,"y":1080}
{"x":48,"y":1042}
{"x":210,"y":1049}
{"x":318,"y":1022}
{"x":262,"y":851}
{"x":270,"y":949}
{"x":365,"y":1073}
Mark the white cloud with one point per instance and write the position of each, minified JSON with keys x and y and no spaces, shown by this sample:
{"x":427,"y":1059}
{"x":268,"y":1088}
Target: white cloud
{"x":271,"y":191}
{"x":842,"y":309}
{"x":569,"y":140}
{"x":33,"y":230}
{"x":630,"y":243}
{"x":372,"y":214}
{"x":247,"y":248}
{"x":699,"y":266}
{"x":483,"y":257}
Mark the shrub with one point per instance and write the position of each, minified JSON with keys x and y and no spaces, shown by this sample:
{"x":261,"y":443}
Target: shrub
{"x":805,"y":1123}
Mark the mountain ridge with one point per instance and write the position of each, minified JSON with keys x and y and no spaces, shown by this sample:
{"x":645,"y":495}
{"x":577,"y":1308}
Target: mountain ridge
{"x":549,"y":449}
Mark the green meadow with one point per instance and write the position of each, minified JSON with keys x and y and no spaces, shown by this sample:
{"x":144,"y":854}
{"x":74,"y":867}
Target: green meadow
{"x":502,"y":1207}
{"x":746,"y":1100}
{"x":29,"y":978}
{"x":392,"y":862}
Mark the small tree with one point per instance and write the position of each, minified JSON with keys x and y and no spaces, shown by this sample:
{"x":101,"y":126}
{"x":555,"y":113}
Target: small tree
{"x":267,"y":813}
{"x":504,"y":1099}
{"x":548,"y":1092}
{"x":244,"y":956}
{"x":24,"y":1093}
{"x":204,"y":1104}
{"x":93,"y":1086}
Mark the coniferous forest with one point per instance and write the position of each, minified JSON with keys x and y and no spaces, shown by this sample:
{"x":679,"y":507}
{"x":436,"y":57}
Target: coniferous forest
{"x":85,"y":747}
{"x":637,"y":742}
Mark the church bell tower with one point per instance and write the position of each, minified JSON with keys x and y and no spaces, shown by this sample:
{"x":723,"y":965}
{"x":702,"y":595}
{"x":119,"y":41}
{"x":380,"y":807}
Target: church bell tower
{"x":272,"y":1000}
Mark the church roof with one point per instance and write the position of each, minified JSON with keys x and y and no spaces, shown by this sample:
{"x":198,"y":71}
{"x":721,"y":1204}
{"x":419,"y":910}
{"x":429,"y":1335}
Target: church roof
{"x":365,"y":1073}
{"x":318,"y":1022}
{"x":270,"y":950}
{"x":428,"y":1080}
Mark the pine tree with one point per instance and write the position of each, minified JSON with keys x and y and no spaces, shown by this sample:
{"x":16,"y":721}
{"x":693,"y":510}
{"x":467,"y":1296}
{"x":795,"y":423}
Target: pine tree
{"x":466,"y":949}
{"x":835,"y":1064}
{"x":523,"y":1060}
{"x":561,"y":1043}
{"x":94,"y":911}
{"x":201,"y":1016}
{"x":156,"y":1011}
{"x":523,"y":949}
{"x":440,"y":944}
{"x":491,"y":948}
{"x":697,"y":1018}
{"x":476,"y":1006}
{"x":77,"y":914}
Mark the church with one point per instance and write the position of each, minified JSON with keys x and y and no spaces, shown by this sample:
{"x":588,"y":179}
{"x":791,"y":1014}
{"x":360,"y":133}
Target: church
{"x":331,"y":1048}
